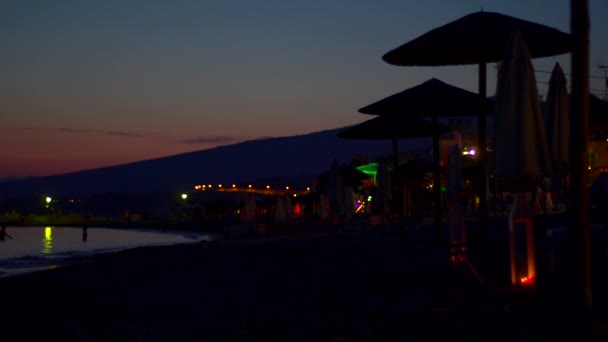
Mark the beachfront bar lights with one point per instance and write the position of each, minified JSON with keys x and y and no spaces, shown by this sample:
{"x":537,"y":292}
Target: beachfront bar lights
{"x":234,"y":185}
{"x":469,"y":152}
{"x":219,"y":185}
{"x":267,"y":186}
{"x":307,"y":188}
{"x":287,"y":188}
{"x":249,"y":186}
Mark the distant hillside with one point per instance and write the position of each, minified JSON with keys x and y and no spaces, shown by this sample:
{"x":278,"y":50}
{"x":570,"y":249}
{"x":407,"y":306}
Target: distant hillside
{"x":295,"y":156}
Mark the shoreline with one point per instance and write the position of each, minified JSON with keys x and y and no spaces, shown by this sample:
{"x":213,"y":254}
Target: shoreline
{"x":22,"y":255}
{"x":349,"y":285}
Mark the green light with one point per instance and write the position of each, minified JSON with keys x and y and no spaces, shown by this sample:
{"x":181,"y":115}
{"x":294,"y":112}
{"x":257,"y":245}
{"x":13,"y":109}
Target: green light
{"x":370,"y":169}
{"x":369,"y":198}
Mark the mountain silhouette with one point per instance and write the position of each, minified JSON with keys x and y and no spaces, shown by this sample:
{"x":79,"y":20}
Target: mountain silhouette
{"x":293,"y":156}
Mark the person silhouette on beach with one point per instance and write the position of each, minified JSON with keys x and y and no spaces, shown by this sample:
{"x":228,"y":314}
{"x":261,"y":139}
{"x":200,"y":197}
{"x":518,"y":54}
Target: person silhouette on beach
{"x":4,"y":234}
{"x":84,"y":233}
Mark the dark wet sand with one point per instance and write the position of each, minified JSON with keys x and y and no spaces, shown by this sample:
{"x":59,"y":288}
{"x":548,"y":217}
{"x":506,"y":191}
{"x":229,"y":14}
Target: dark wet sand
{"x":305,"y":287}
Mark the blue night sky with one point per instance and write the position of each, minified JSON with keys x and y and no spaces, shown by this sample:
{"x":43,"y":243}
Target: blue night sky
{"x":95,"y":83}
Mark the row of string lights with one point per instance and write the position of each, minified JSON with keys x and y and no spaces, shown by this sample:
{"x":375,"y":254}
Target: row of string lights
{"x":249,"y":188}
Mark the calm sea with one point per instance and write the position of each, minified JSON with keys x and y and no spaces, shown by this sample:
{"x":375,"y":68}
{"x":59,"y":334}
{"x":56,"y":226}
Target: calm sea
{"x":37,"y":248}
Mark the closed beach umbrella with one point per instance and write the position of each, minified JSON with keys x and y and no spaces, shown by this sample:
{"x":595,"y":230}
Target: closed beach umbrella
{"x":557,"y":118}
{"x":433,"y":99}
{"x":323,"y":208}
{"x":520,"y":141}
{"x":249,"y":209}
{"x":478,"y":38}
{"x":280,"y":216}
{"x":349,"y":203}
{"x":334,"y":187}
{"x":288,"y":209}
{"x":454,"y":171}
{"x":383,"y":195}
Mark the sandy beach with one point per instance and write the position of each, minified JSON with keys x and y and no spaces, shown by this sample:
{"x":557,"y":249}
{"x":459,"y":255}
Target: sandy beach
{"x":323,"y":286}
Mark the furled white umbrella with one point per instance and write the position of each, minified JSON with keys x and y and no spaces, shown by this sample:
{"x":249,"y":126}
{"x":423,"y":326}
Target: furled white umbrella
{"x":335,"y":193}
{"x":288,"y":209}
{"x":280,"y":214}
{"x":323,"y":207}
{"x":520,"y":141}
{"x":384,"y":189}
{"x":557,"y":119}
{"x":454,"y":171}
{"x":249,"y":209}
{"x":349,"y":203}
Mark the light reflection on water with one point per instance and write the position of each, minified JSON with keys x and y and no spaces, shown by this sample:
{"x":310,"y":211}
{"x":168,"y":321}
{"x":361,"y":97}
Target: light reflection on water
{"x":47,"y":243}
{"x":45,"y":247}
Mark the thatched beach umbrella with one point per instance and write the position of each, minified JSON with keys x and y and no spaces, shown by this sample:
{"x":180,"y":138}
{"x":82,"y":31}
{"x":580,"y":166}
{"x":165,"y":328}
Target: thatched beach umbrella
{"x":433,"y":99}
{"x":395,"y":127}
{"x":478,"y":38}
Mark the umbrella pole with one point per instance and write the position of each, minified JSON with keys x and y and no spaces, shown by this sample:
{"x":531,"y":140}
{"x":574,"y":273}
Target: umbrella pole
{"x":579,"y":129}
{"x":483,"y":158}
{"x":400,"y":187}
{"x":436,"y":182}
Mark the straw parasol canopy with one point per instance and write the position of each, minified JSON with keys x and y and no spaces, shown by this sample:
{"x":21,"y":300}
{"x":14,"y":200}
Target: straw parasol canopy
{"x":479,"y":37}
{"x":392,"y":127}
{"x":433,"y":98}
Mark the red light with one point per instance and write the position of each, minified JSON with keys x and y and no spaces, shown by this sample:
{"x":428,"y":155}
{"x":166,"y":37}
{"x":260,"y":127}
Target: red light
{"x":526,"y":280}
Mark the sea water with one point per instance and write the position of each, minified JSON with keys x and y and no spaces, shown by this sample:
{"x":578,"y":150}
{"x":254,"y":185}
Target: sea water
{"x":31,"y":249}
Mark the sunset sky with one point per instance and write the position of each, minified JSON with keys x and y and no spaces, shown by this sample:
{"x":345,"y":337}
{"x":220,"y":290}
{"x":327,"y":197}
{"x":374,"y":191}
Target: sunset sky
{"x":96,"y":83}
